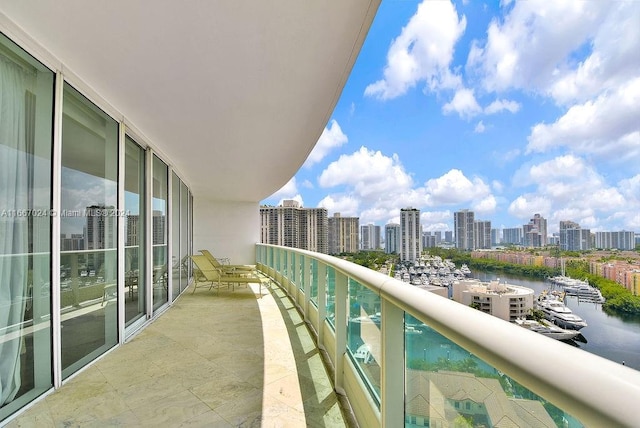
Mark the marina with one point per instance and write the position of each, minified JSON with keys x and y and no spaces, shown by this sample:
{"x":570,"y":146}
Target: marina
{"x":610,"y":336}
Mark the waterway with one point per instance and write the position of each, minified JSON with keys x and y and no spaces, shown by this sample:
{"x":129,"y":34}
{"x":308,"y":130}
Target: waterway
{"x":610,"y":336}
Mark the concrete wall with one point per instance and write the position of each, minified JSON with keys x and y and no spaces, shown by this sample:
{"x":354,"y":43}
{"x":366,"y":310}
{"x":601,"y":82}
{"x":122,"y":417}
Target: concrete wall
{"x":227,"y":229}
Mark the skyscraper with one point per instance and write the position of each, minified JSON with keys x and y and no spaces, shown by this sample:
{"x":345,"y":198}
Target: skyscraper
{"x":535,"y":233}
{"x":573,"y":237}
{"x":463,"y":226}
{"x":392,"y":238}
{"x":411,"y":234}
{"x":370,"y":237}
{"x":343,"y":234}
{"x":290,"y":225}
{"x":481,"y":234}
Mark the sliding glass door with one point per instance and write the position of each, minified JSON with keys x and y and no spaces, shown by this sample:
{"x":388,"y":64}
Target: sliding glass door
{"x":135,"y":233}
{"x":88,"y":231}
{"x":26,"y":118}
{"x":159,"y":226}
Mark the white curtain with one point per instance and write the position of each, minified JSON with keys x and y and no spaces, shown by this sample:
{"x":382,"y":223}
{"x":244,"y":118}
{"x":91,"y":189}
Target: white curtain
{"x":15,"y":81}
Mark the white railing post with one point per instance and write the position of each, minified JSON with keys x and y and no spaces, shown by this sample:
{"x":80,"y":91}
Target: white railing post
{"x":322,"y":303}
{"x":393,"y":365}
{"x":341,"y":291}
{"x":306,"y":286}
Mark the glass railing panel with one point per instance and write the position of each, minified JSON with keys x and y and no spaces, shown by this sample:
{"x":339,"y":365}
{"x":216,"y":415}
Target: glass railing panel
{"x":363,"y":334}
{"x":446,"y":385}
{"x":331,"y":296}
{"x":313,"y":279}
{"x":88,"y":296}
{"x":303,"y":274}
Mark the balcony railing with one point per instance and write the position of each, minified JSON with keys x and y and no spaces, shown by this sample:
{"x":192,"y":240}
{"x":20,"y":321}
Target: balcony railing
{"x":404,"y":355}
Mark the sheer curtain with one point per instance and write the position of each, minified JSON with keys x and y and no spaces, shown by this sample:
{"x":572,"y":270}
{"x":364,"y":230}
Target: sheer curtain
{"x":15,"y":81}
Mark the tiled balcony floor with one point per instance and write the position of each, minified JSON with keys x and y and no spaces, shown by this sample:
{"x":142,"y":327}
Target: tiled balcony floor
{"x":227,"y":359}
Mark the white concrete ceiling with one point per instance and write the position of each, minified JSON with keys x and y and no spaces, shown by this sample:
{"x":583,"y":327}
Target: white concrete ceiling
{"x":234,"y":92}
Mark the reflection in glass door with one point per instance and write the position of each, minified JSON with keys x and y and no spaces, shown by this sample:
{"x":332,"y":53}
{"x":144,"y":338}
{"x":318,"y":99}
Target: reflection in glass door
{"x":26,"y":97}
{"x":159,"y":227}
{"x":88,"y":232}
{"x":134,"y":231}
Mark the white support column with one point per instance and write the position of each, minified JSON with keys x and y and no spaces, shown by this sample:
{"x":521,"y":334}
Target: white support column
{"x":56,"y":183}
{"x":121,"y":238}
{"x":392,"y":369}
{"x":341,"y":303}
{"x":169,"y":223}
{"x":148,"y":277}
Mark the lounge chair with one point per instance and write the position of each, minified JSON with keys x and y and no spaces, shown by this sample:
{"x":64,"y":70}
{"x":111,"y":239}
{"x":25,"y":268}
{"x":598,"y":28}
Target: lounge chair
{"x":228,"y":268}
{"x":208,"y":273}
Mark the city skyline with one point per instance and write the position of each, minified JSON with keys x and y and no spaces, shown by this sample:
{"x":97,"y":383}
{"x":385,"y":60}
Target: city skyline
{"x":506,"y":109}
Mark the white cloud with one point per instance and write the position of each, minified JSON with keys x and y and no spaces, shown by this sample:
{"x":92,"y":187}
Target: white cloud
{"x":608,"y":126}
{"x":613,"y":60}
{"x":370,"y":174}
{"x":500,"y":105}
{"x":480,"y":128}
{"x":524,"y":205}
{"x":307,"y":184}
{"x":454,"y":188}
{"x":331,"y":138}
{"x":485,"y":206}
{"x":346,"y":205}
{"x":288,"y":191}
{"x":422,"y":52}
{"x":528,"y":48}
{"x":569,"y":188}
{"x":464,"y":103}
{"x":630,"y":188}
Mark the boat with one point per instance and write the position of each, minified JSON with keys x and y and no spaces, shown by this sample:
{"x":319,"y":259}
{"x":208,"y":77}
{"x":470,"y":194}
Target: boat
{"x":549,"y":330}
{"x":584,"y":291}
{"x":558,"y":313}
{"x":464,"y":269}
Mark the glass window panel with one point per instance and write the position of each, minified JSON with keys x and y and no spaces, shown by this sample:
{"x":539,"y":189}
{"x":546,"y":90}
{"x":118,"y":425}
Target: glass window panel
{"x":331,"y":296}
{"x":175,"y":232}
{"x":26,"y":102}
{"x":184,"y":236}
{"x":134,"y":232}
{"x":363,"y":334}
{"x":314,"y":282}
{"x":88,"y":231}
{"x":448,"y":378}
{"x":159,"y":226}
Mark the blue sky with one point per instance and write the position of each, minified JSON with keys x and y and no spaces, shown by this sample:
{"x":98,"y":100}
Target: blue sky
{"x":505,"y":108}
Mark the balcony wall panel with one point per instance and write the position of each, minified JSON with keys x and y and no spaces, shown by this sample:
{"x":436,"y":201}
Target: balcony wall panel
{"x":227,"y":229}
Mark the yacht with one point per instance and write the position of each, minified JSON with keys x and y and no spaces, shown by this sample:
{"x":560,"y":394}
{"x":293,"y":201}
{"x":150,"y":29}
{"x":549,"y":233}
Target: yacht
{"x":558,"y":313}
{"x":584,"y":291}
{"x":549,"y":330}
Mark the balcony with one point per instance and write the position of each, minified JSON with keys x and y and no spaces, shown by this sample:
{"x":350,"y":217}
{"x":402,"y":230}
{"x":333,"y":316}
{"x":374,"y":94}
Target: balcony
{"x":227,"y":358}
{"x":241,"y":357}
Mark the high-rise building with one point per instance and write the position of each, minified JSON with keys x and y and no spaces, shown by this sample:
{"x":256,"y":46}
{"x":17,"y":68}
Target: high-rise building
{"x":100,"y":227}
{"x":448,"y":236}
{"x":343,"y":234}
{"x":290,"y":225}
{"x":428,"y":240}
{"x":573,"y":237}
{"x":535,"y":232}
{"x":512,"y":235}
{"x":496,"y":238}
{"x":392,"y":238}
{"x":411,"y":234}
{"x":463,"y":226}
{"x":481,"y":234}
{"x":622,"y":240}
{"x":370,"y":237}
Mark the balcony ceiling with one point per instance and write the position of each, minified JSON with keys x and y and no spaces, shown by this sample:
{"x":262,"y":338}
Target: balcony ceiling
{"x":235,"y":93}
